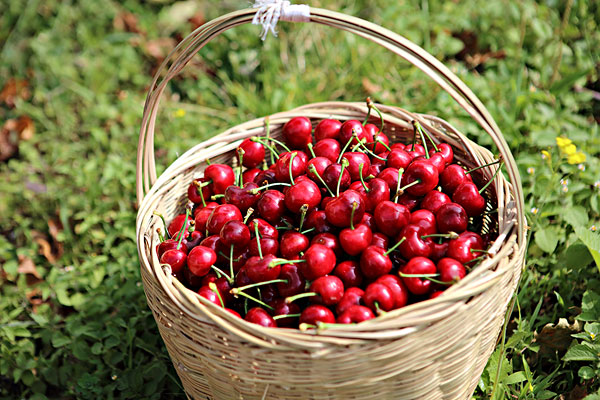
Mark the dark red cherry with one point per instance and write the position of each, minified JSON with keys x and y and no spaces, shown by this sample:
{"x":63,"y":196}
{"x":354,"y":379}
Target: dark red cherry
{"x":438,"y":160}
{"x":390,"y":176}
{"x":339,"y":210}
{"x":329,"y":289}
{"x":329,"y":240}
{"x":317,"y":166}
{"x":192,"y":239}
{"x":175,"y":225}
{"x":374,"y":262}
{"x":260,"y":317}
{"x":242,"y":197}
{"x":409,"y":201}
{"x":210,"y":295}
{"x":304,"y":192}
{"x":292,"y":243}
{"x":295,"y":281}
{"x":452,"y":177}
{"x":414,"y":245}
{"x":265,"y":229}
{"x":331,"y":176}
{"x":390,"y":217}
{"x":418,"y":266}
{"x":328,"y":129}
{"x":379,"y":191}
{"x":212,"y":242}
{"x":438,"y":250}
{"x":352,"y":128}
{"x":254,"y":153}
{"x":352,"y":296}
{"x":271,"y":205}
{"x":355,"y":315}
{"x":450,"y":270}
{"x":354,"y":241}
{"x":451,"y":217}
{"x":297,"y":132}
{"x":463,"y":248}
{"x":318,"y":219}
{"x":221,"y":175}
{"x":446,"y":151}
{"x":425,"y":219}
{"x":265,"y":177}
{"x":349,"y":272}
{"x":220,"y":215}
{"x":398,"y":159}
{"x":196,"y":193}
{"x":369,"y":221}
{"x":280,"y":308}
{"x":319,"y":260}
{"x":262,"y":269}
{"x":250,"y":174}
{"x":267,"y":245}
{"x":168,"y":245}
{"x":398,"y":289}
{"x":328,"y":148}
{"x":235,"y":233}
{"x":434,"y":200}
{"x":201,"y":219}
{"x":378,"y":163}
{"x":379,"y":297}
{"x":297,"y":158}
{"x":355,"y":159}
{"x":423,"y":171}
{"x":380,"y":240}
{"x":467,"y":195}
{"x":175,"y":258}
{"x":200,"y":259}
{"x":316,"y":313}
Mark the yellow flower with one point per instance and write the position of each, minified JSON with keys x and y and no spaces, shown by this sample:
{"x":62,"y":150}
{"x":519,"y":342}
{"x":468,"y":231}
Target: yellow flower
{"x":576,"y":158}
{"x":562,"y":142}
{"x":569,"y":149}
{"x":545,"y":155}
{"x":179,"y":113}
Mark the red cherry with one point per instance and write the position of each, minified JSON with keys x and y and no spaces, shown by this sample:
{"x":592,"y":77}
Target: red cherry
{"x":262,"y":269}
{"x":438,"y":250}
{"x":374,"y":262}
{"x":192,"y":281}
{"x":175,"y":225}
{"x":467,"y":195}
{"x":235,"y":233}
{"x":414,"y":245}
{"x":329,"y":289}
{"x":327,"y":129}
{"x":390,"y":217}
{"x":212,"y":242}
{"x":280,"y":307}
{"x":352,"y":296}
{"x":242,"y":197}
{"x":418,"y":266}
{"x":438,"y":160}
{"x":265,"y":229}
{"x":318,"y":219}
{"x":355,"y":159}
{"x":250,"y":174}
{"x":378,"y":297}
{"x":292,"y":243}
{"x":254,"y":153}
{"x":327,"y":148}
{"x":398,"y":159}
{"x":435,"y":294}
{"x":415,"y":149}
{"x":221,"y":175}
{"x":425,"y":219}
{"x":355,"y":315}
{"x":390,"y":176}
{"x":339,"y":210}
{"x":434,"y":200}
{"x":295,"y":281}
{"x":450,"y":270}
{"x":369,"y":221}
{"x":316,"y":313}
{"x":451,"y":217}
{"x":297,"y":132}
{"x":317,"y":166}
{"x":175,"y":258}
{"x":271,"y":205}
{"x":168,"y":245}
{"x":446,"y":151}
{"x":260,"y":317}
{"x":200,"y":260}
{"x":352,"y":128}
{"x":380,"y":140}
{"x":379,"y":192}
{"x":282,"y":166}
{"x":409,"y":201}
{"x":461,"y":249}
{"x":378,"y":163}
{"x":265,"y":177}
{"x":423,"y":171}
{"x":210,"y":295}
{"x":319,"y":261}
{"x":380,"y":240}
{"x":194,"y":191}
{"x":354,"y":241}
{"x":331,"y":176}
{"x":201,"y":219}
{"x":304,"y":192}
{"x":398,"y":289}
{"x":452,"y":177}
{"x":267,"y":245}
{"x":328,"y":240}
{"x":349,"y":272}
{"x":193,"y":239}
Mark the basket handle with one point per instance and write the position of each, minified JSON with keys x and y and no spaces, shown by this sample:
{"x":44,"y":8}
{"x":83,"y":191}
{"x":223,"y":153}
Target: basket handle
{"x":186,"y":49}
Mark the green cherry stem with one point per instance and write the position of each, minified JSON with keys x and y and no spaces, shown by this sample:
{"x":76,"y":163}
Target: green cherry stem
{"x":268,"y":135}
{"x":270,"y":139}
{"x":354,"y":207}
{"x":262,"y":303}
{"x":308,"y":231}
{"x":345,"y":163}
{"x":403,"y":275}
{"x":372,"y":105}
{"x":282,"y":261}
{"x":483,"y":166}
{"x":258,"y":189}
{"x":491,"y":180}
{"x":303,"y":210}
{"x":313,"y":170}
{"x":214,"y":288}
{"x":381,"y":142}
{"x":220,"y":272}
{"x":273,"y":151}
{"x":240,"y":153}
{"x":295,"y":297}
{"x":423,"y":131}
{"x":398,"y":190}
{"x":366,"y":149}
{"x":449,"y":235}
{"x":281,"y":316}
{"x":180,"y":234}
{"x":294,"y":154}
{"x":257,"y":234}
{"x":346,"y":147}
{"x":161,"y":237}
{"x":164,"y":223}
{"x":360,"y":175}
{"x":403,"y":188}
{"x":207,"y":161}
{"x":199,"y":187}
{"x":417,"y":128}
{"x":394,"y":246}
{"x":237,"y":290}
{"x":217,"y":196}
{"x":310,"y":149}
{"x":231,"y":273}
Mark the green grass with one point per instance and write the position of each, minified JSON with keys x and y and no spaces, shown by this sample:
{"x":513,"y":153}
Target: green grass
{"x":82,"y":329}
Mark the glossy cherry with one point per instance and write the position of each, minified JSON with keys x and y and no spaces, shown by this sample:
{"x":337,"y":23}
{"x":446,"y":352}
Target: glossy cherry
{"x":331,"y":176}
{"x":467,"y":195}
{"x":318,"y":219}
{"x":268,"y":245}
{"x":175,"y":225}
{"x":316,"y":167}
{"x":175,"y":258}
{"x":315,"y":314}
{"x":260,"y":317}
{"x":391,"y":217}
{"x":221,"y":176}
{"x":451,"y":217}
{"x":169,"y":244}
{"x":319,"y":260}
{"x":377,"y":191}
{"x":235,"y":233}
{"x":271,"y":205}
{"x":354,"y":241}
{"x":304,"y":192}
{"x":380,"y":240}
{"x":330,"y":240}
{"x":374,"y":262}
{"x":352,"y":128}
{"x":450,"y":270}
{"x":328,"y":148}
{"x":339,"y":210}
{"x":349,"y":272}
{"x":292,"y":243}
{"x":462,"y":248}
{"x":328,"y":129}
{"x":398,"y":289}
{"x":242,"y":197}
{"x":210,"y":295}
{"x":418,"y":266}
{"x":298,"y":161}
{"x":379,"y":297}
{"x":355,"y":159}
{"x":265,"y":229}
{"x":250,"y":174}
{"x":446,"y":151}
{"x":197,"y":193}
{"x":434,"y":200}
{"x":295,"y":281}
{"x":352,"y":296}
{"x":425,"y":219}
{"x":425,"y":172}
{"x":452,"y":177}
{"x":254,"y":153}
{"x":220,"y":215}
{"x":262,"y":269}
{"x":297,"y":132}
{"x":329,"y":289}
{"x":414,"y":245}
{"x":281,"y":308}
{"x":355,"y":315}
{"x":398,"y":159}
{"x":200,"y":259}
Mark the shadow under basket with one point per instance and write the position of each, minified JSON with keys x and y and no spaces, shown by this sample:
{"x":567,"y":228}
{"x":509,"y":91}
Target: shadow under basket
{"x":434,"y":349}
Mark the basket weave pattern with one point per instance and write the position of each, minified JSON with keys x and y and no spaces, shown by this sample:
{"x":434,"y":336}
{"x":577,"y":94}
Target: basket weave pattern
{"x":430,"y":350}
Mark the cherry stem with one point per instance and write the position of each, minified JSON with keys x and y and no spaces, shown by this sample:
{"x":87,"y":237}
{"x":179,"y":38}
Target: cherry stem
{"x":258,"y":189}
{"x":231,"y":273}
{"x":269,"y":138}
{"x":199,"y":187}
{"x":403,"y":275}
{"x":344,"y":165}
{"x":191,"y":229}
{"x":248,"y":215}
{"x":366,"y":149}
{"x":273,"y":152}
{"x":313,"y":169}
{"x":417,"y":128}
{"x":295,"y":297}
{"x":360,"y":175}
{"x":310,"y":149}
{"x":307,"y":231}
{"x":164,"y":223}
{"x":207,"y":161}
{"x":477,"y":259}
{"x":221,"y":272}
{"x":268,"y":135}
{"x":294,"y":154}
{"x":413,"y":183}
{"x":381,"y":142}
{"x":303,"y":210}
{"x":262,"y":303}
{"x":479,"y":251}
{"x":491,"y":180}
{"x":449,"y":235}
{"x":216,"y":196}
{"x":214,"y":288}
{"x":180,"y":234}
{"x":161,"y":237}
{"x":282,"y":261}
{"x":372,"y":105}
{"x":240,"y":153}
{"x":346,"y":147}
{"x":398,"y":190}
{"x":423,"y":131}
{"x":483,"y":166}
{"x":257,"y":234}
{"x":281,"y":316}
{"x":354,"y":207}
{"x":394,"y":246}
{"x":237,"y":290}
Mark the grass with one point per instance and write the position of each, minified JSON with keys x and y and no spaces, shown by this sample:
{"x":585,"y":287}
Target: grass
{"x":73,"y":317}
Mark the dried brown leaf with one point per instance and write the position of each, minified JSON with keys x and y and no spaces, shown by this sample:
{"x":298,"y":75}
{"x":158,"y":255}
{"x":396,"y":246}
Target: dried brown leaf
{"x":556,"y":337}
{"x":159,"y":48}
{"x":9,"y":140}
{"x":26,"y":266}
{"x":25,"y":127}
{"x":370,"y":87}
{"x":14,"y":89}
{"x":127,"y":22}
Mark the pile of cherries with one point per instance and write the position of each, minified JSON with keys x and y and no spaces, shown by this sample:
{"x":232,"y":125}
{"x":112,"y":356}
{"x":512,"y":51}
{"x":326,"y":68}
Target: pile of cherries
{"x":339,"y":226}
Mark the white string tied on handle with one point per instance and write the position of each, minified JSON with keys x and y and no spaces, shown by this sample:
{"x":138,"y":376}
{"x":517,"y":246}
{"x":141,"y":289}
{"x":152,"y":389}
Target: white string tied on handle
{"x":270,"y":11}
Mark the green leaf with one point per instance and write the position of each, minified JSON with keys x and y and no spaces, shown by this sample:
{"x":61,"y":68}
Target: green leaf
{"x":568,"y":81}
{"x":546,"y":239}
{"x":592,"y":241}
{"x":544,"y":395}
{"x":586,"y":372}
{"x":515,"y":378}
{"x":580,"y":352}
{"x":590,"y":306}
{"x":59,"y":339}
{"x":593,"y":396}
{"x":578,"y":255}
{"x":576,"y":216}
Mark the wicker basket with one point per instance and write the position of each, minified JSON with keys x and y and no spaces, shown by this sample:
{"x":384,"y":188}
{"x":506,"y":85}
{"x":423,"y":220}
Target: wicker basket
{"x":434,"y":349}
